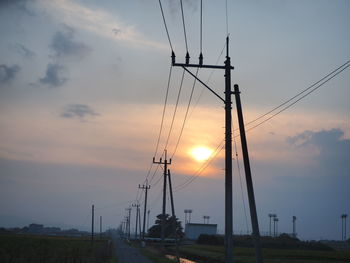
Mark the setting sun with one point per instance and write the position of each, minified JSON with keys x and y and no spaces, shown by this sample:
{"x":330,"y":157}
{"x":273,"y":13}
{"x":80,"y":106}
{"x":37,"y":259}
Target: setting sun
{"x":201,"y":153}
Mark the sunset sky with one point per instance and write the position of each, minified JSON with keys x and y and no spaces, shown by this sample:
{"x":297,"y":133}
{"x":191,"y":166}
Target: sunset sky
{"x":82,"y":90}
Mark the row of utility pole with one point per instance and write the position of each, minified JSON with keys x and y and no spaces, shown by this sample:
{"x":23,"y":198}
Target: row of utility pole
{"x":93,"y":224}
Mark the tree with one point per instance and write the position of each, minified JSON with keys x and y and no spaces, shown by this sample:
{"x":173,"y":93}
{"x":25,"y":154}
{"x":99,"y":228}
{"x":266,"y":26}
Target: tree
{"x":171,"y":223}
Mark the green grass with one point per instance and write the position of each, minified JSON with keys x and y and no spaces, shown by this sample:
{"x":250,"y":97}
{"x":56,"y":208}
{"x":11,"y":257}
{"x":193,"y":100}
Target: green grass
{"x":26,"y":248}
{"x":247,"y":255}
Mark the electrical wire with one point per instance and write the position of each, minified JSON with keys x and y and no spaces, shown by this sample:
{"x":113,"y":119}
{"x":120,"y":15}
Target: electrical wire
{"x":166,"y":28}
{"x":164,"y":108}
{"x":193,"y":177}
{"x":297,"y":95}
{"x":175,"y":110}
{"x":299,"y":99}
{"x":240,"y":181}
{"x":184,"y":26}
{"x":185,"y":118}
{"x":201,"y":28}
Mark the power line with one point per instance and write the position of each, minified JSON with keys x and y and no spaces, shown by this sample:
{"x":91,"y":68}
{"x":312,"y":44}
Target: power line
{"x":185,"y":118}
{"x":166,"y":28}
{"x":164,"y":108}
{"x":175,"y":110}
{"x":299,"y":99}
{"x":205,"y":165}
{"x":297,"y":95}
{"x":184,"y":27}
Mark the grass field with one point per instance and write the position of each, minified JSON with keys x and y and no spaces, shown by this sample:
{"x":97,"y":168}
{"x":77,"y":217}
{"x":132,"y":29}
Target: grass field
{"x":44,"y":249}
{"x":206,"y":253}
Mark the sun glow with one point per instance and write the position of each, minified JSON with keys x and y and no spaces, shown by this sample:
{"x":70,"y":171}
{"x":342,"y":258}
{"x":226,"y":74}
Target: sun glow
{"x":201,"y":153}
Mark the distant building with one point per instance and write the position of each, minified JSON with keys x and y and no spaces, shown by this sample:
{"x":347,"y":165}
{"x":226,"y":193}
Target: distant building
{"x":193,"y":231}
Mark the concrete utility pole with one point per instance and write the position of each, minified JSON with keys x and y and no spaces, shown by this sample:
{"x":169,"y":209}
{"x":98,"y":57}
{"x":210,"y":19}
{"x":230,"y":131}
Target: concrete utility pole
{"x":270,"y":216}
{"x":228,"y":153}
{"x":274,"y":224}
{"x":165,"y":169}
{"x":146,"y":188}
{"x":128,"y":221}
{"x":92,"y":223}
{"x":294,"y":226}
{"x":100,"y":227}
{"x":137,"y":205}
{"x":343,"y":226}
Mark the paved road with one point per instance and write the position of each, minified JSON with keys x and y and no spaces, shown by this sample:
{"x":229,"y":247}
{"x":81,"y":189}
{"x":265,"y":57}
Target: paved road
{"x":128,"y":254}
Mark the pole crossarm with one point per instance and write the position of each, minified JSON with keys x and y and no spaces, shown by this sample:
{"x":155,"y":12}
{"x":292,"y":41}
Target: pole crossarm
{"x":205,"y":85}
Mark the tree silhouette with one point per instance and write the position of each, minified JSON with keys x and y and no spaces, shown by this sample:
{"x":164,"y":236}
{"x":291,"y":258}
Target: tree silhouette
{"x":171,"y":223}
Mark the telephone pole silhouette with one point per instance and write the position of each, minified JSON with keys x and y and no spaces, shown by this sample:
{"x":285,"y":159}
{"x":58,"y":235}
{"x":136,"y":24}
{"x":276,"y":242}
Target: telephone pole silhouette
{"x":100,"y":227}
{"x":165,"y":170}
{"x":294,"y":226}
{"x":228,"y":152}
{"x":137,"y":205}
{"x":146,"y":188}
{"x":343,"y":226}
{"x":128,"y":221}
{"x":92,"y":223}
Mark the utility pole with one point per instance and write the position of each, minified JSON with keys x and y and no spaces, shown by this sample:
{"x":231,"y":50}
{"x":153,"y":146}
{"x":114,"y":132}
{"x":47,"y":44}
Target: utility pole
{"x":100,"y":227}
{"x":137,"y":205}
{"x":270,"y":216}
{"x":343,"y":226}
{"x":294,"y":228}
{"x":248,"y":175}
{"x":128,"y":220}
{"x":165,"y":169}
{"x":92,"y":223}
{"x":146,"y":188}
{"x":228,"y":153}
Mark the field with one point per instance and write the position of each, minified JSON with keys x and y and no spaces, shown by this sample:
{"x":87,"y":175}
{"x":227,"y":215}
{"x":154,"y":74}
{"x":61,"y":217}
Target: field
{"x":44,"y":249}
{"x":215,"y":254}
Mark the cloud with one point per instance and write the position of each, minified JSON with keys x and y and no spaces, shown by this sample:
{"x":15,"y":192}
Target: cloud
{"x":53,"y":76}
{"x":333,"y":152}
{"x":24,"y":51}
{"x":9,"y":3}
{"x":78,"y":111}
{"x":100,"y":23}
{"x":63,"y":44}
{"x":7,"y":74}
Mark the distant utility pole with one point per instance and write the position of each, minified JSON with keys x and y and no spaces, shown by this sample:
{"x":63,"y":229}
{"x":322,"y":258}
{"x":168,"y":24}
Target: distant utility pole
{"x":92,"y":223}
{"x":165,"y":169}
{"x":274,"y":224}
{"x":228,"y":152}
{"x":128,"y":220}
{"x":271,"y":216}
{"x":294,"y":226}
{"x":343,"y":226}
{"x":146,"y":188}
{"x":100,"y":227}
{"x":137,"y":205}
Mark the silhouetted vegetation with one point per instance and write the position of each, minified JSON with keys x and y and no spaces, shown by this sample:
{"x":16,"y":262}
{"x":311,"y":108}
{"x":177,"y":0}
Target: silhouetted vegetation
{"x":30,"y":248}
{"x":283,"y":241}
{"x":170,"y":222}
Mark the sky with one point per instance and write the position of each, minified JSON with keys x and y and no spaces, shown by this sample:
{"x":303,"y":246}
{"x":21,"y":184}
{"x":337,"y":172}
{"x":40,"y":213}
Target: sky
{"x":82,"y":91}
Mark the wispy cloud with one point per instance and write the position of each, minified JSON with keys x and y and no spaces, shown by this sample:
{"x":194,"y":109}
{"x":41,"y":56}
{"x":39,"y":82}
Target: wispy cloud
{"x":99,"y":22}
{"x":78,"y":111}
{"x":53,"y":76}
{"x":63,"y":44}
{"x":8,"y":73}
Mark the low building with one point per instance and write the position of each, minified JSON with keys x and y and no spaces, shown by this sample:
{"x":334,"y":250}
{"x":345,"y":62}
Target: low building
{"x":193,"y":230}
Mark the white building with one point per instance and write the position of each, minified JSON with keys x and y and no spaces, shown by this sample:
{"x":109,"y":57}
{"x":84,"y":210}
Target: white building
{"x":193,"y":231}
